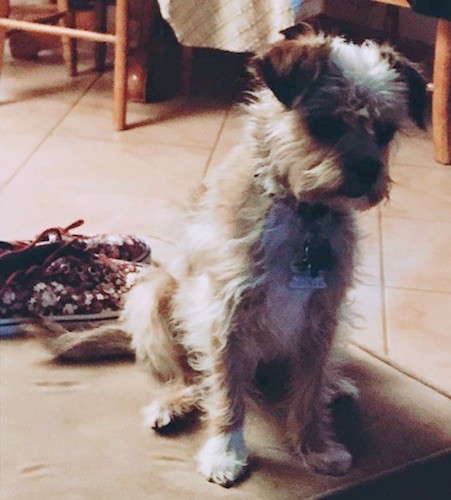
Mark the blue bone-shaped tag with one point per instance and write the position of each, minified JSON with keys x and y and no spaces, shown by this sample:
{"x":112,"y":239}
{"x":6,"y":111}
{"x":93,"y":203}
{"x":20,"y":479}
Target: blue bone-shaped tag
{"x":304,"y":281}
{"x":308,"y":273}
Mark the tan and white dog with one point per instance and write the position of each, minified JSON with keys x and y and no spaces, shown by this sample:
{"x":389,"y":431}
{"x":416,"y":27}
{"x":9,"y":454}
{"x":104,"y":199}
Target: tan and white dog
{"x":269,"y":250}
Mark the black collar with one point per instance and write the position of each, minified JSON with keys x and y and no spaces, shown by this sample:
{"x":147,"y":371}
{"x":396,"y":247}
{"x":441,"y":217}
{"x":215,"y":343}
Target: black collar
{"x":312,"y":211}
{"x":317,"y":252}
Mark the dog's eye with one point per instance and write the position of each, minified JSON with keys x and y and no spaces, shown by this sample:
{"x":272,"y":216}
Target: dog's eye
{"x":326,"y":129}
{"x":384,"y":133}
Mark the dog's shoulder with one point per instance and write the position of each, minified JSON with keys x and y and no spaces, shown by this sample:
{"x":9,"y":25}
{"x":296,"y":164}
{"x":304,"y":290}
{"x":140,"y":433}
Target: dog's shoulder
{"x":229,"y":184}
{"x":235,"y":167}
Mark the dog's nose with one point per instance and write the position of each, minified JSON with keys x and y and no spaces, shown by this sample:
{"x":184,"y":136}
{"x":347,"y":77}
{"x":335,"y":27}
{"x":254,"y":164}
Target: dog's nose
{"x":360,"y":175}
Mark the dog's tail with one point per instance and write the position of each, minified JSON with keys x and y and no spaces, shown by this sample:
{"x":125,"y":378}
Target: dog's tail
{"x":148,"y":315}
{"x":143,"y":329}
{"x":91,"y":344}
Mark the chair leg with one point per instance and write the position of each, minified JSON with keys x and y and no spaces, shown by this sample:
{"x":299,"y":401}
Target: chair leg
{"x":441,"y":98}
{"x":4,"y":11}
{"x":100,"y":12}
{"x":69,"y":44}
{"x":120,"y":64}
{"x":72,"y":48}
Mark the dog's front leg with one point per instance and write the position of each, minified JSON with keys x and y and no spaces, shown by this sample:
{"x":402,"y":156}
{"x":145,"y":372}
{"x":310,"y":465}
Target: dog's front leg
{"x":310,"y":422}
{"x":223,"y":458}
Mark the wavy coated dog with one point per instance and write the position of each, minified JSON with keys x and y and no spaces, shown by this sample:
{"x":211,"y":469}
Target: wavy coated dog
{"x":269,"y":250}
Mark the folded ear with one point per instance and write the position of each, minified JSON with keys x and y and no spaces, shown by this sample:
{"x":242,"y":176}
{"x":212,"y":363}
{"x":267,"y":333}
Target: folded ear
{"x":298,"y":30}
{"x":416,"y":84}
{"x":290,"y":67}
{"x":417,"y":93}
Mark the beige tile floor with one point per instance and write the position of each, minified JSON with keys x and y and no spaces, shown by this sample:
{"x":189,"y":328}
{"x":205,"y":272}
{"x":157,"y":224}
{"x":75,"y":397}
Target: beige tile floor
{"x":61,"y":160}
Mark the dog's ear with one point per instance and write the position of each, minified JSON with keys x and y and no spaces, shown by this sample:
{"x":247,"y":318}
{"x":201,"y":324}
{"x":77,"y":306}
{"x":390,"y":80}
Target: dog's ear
{"x":416,"y":85}
{"x":290,"y":67}
{"x":298,"y":30}
{"x":417,"y":93}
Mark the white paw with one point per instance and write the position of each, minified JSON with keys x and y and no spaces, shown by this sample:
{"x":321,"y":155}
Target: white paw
{"x":156,"y":416}
{"x":342,"y":388}
{"x":223,"y":458}
{"x":336,"y":461}
{"x":348,"y":388}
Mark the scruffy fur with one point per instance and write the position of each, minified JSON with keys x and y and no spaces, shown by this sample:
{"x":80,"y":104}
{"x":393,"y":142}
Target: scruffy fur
{"x":225,"y":308}
{"x":315,"y":136}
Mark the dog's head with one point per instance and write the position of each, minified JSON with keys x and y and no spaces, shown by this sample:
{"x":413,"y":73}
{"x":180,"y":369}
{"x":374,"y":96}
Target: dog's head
{"x":340,"y":105}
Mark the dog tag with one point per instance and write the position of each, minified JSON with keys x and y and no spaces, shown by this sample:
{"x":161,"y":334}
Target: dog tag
{"x":304,"y":281}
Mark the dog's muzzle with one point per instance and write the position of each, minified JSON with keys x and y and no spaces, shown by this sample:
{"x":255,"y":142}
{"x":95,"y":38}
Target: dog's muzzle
{"x":361,"y":176}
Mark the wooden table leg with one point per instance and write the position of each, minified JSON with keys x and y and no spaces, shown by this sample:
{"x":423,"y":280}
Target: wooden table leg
{"x":100,"y":10}
{"x":4,"y":11}
{"x":441,"y":98}
{"x":69,"y":44}
{"x":141,"y":19}
{"x":120,"y":65}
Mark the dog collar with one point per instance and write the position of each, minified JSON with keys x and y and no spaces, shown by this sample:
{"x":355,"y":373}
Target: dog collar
{"x":308,"y":270}
{"x":313,"y":211}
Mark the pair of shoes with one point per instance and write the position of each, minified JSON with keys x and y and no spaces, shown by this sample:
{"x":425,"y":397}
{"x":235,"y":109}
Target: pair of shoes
{"x":68,"y":278}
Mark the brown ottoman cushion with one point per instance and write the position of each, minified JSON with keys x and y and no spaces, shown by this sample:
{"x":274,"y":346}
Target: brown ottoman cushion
{"x":75,"y":432}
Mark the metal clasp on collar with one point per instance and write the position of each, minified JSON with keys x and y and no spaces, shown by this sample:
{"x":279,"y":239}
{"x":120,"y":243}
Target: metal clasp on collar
{"x":316,"y":257}
{"x":309,"y":270}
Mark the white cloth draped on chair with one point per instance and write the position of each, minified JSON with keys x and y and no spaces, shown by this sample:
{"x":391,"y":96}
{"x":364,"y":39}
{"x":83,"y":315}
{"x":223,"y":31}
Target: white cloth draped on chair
{"x":232,"y":25}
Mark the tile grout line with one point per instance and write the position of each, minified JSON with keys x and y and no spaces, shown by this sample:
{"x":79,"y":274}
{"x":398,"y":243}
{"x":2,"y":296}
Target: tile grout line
{"x":159,"y":238}
{"x":385,"y":345}
{"x":77,"y":101}
{"x":47,"y":135}
{"x":417,"y":219}
{"x":213,"y":149}
{"x":424,"y":290}
{"x":399,"y":367}
{"x":433,"y":165}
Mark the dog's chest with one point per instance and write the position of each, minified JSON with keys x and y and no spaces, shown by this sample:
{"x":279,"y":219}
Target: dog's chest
{"x":299,"y":259}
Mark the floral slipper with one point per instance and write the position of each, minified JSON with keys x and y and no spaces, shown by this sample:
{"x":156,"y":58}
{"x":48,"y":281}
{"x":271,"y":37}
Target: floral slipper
{"x":61,"y":279}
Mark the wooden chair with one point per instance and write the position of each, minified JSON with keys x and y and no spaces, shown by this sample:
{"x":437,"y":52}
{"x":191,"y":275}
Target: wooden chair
{"x":70,"y":34}
{"x":441,"y":97}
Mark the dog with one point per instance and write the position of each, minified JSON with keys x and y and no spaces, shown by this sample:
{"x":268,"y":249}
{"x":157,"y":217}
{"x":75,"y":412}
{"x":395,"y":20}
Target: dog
{"x":269,"y":250}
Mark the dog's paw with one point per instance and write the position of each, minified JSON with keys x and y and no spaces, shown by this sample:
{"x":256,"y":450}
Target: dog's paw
{"x":157,"y":415}
{"x":347,"y":388}
{"x":223,"y":458}
{"x":342,"y":388}
{"x":336,"y":461}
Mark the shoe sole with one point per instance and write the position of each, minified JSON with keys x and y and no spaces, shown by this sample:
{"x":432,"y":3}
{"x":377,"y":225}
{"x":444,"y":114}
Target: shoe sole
{"x":12,"y":327}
